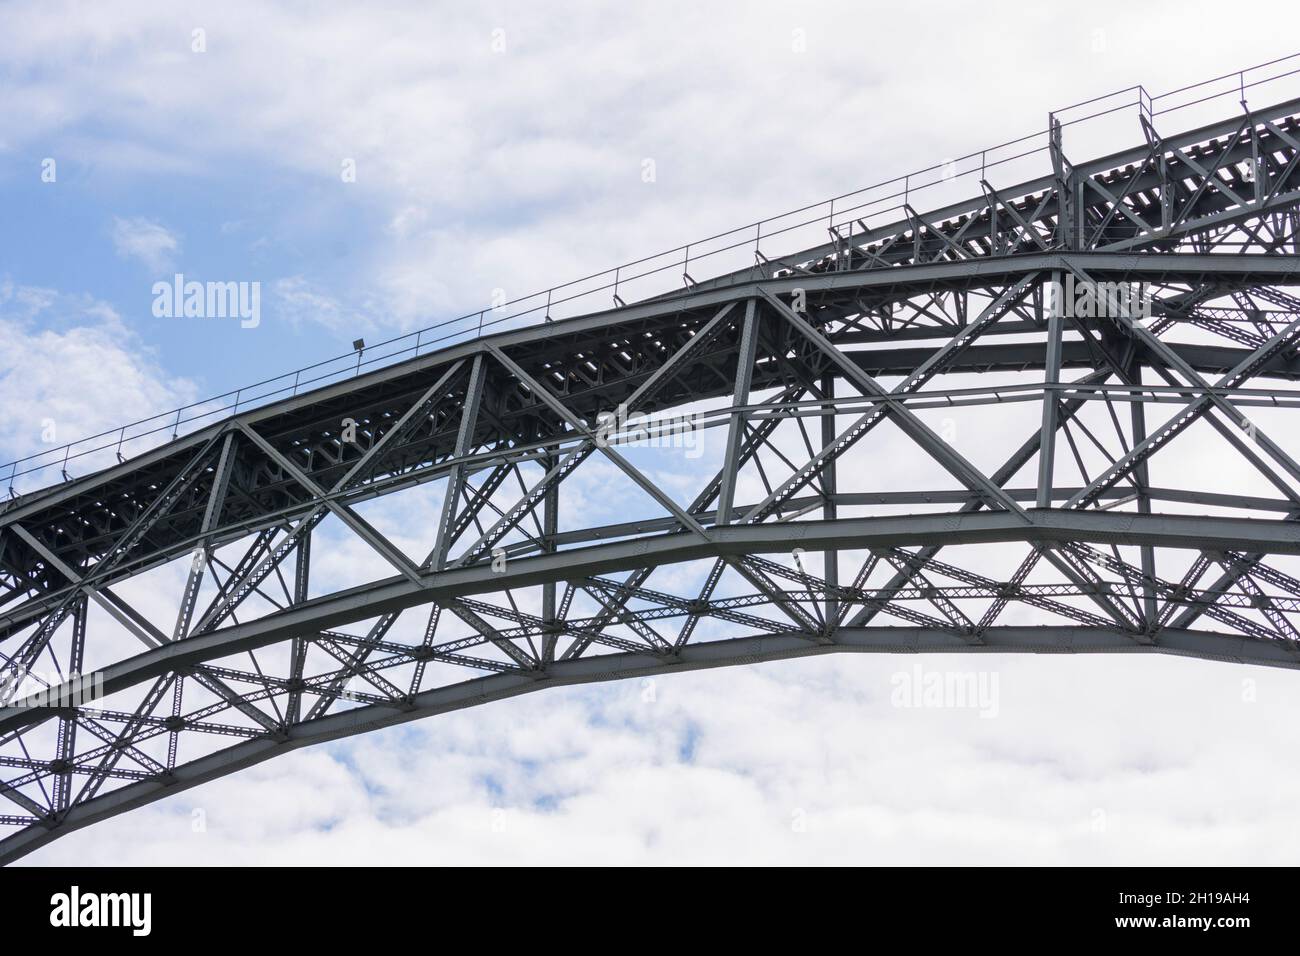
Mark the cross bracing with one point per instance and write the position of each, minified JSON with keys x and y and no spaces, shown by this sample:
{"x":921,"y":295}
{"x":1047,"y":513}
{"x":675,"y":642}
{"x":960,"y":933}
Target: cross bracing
{"x":905,"y":439}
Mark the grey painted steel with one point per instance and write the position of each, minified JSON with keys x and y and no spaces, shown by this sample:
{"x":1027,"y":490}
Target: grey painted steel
{"x":1207,"y":645}
{"x":886,"y":323}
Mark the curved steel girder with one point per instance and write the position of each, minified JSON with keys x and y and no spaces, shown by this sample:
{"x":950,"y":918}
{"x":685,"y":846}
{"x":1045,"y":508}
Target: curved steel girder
{"x":36,"y":607}
{"x":926,"y":254}
{"x":1213,"y":269}
{"x":1038,"y":526}
{"x":1099,"y":183}
{"x":1208,"y":359}
{"x":918,"y":271}
{"x":52,"y":508}
{"x":1108,"y":187}
{"x":745,"y":650}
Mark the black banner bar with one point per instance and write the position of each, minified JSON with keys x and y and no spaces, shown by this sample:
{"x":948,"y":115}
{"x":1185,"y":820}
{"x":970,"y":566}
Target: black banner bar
{"x":146,"y":906}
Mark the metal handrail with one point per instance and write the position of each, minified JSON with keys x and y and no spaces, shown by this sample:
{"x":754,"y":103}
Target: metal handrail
{"x":473,"y":325}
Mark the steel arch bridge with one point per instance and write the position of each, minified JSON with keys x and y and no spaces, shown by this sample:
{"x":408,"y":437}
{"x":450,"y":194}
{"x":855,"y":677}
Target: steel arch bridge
{"x":915,"y":442}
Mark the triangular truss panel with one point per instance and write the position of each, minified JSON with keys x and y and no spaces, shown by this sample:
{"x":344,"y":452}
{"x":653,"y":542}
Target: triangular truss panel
{"x":1059,"y":416}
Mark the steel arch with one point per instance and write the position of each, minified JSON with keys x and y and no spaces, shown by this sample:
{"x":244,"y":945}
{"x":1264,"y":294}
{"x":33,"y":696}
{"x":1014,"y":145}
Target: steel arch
{"x":792,"y":543}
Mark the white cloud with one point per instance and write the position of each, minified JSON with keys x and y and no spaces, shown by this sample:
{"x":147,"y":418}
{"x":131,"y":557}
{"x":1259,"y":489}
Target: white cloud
{"x":799,"y":762}
{"x":299,"y":301}
{"x":522,"y":169}
{"x":70,"y":368}
{"x":150,"y":242}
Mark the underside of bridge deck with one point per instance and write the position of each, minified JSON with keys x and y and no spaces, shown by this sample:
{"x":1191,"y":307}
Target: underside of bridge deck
{"x":962,"y":431}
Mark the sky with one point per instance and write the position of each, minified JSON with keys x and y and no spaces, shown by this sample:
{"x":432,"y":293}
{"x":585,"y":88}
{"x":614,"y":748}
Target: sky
{"x":378,"y":169}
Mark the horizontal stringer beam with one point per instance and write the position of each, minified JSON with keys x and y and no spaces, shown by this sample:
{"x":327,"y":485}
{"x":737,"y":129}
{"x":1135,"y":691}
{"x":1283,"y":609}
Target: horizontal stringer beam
{"x":357,"y":659}
{"x":1002,"y":428}
{"x":749,"y":475}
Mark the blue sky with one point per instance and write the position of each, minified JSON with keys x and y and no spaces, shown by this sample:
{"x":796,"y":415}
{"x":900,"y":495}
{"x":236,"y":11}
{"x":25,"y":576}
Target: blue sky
{"x":80,"y":236}
{"x":495,"y":150}
{"x":480,"y":169}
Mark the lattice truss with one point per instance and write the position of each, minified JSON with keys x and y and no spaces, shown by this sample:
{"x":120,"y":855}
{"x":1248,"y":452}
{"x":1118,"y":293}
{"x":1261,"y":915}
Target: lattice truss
{"x":899,"y":441}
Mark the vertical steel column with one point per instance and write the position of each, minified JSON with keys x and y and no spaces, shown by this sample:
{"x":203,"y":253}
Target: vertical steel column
{"x":740,"y":398}
{"x":185,"y":614}
{"x":1140,"y":476}
{"x":464,"y":439}
{"x":1051,"y":378}
{"x":301,"y":582}
{"x":550,"y":524}
{"x":216,"y":499}
{"x":67,"y":736}
{"x":831,"y":556}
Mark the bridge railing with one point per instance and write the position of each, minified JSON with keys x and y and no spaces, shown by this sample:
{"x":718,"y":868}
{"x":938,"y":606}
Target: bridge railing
{"x":732,"y":251}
